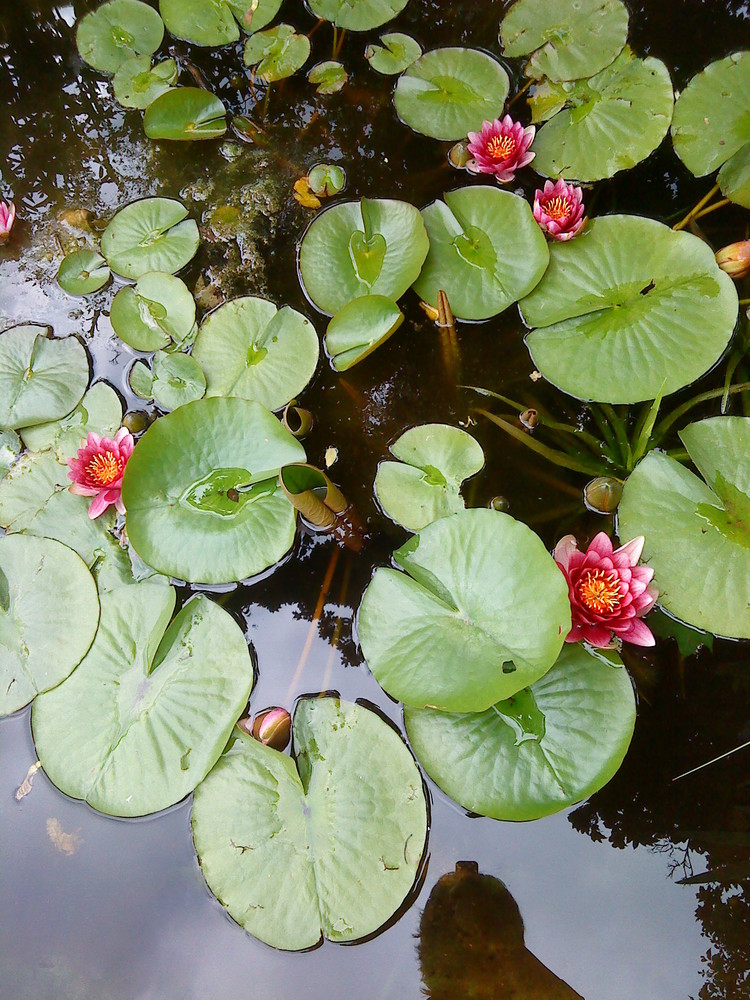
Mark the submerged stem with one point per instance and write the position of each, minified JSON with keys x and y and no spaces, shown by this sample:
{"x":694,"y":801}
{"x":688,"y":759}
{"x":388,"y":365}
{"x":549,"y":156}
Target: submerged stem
{"x":520,"y":93}
{"x":312,"y":631}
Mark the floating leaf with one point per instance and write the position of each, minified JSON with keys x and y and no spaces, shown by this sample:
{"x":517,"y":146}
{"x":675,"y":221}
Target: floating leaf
{"x":396,"y":54}
{"x":304,"y":195}
{"x":449,"y":92}
{"x":41,"y":378}
{"x":116,"y":31}
{"x":330,"y":844}
{"x":276,"y":53}
{"x":141,"y":380}
{"x":100,"y":412}
{"x":481,"y":614}
{"x":425,"y":484}
{"x":312,"y":493}
{"x":40,"y":581}
{"x":357,"y":15}
{"x":372,"y":247}
{"x":565,"y":39}
{"x":137,"y":83}
{"x":360,"y":327}
{"x":150,"y":235}
{"x":148,"y":712}
{"x":689,"y":640}
{"x":214,"y":22}
{"x":202,"y":494}
{"x":327,"y":179}
{"x":251,"y":349}
{"x":185,"y":114}
{"x":628,"y":309}
{"x":155,"y":311}
{"x":329,"y":77}
{"x":734,"y":177}
{"x":178,"y":379}
{"x":83,"y":271}
{"x":10,"y":449}
{"x":540,"y":751}
{"x":486,"y":251}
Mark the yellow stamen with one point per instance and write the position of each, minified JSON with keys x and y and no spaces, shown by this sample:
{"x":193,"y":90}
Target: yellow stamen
{"x":558,"y":208}
{"x":104,"y":469}
{"x":599,"y":591}
{"x":501,"y":147}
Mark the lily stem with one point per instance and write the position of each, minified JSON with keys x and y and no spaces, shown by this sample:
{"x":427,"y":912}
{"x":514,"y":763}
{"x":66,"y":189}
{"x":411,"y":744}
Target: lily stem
{"x":317,"y":613}
{"x":337,"y":50}
{"x":265,"y":100}
{"x":620,"y":433}
{"x":520,"y":93}
{"x":683,"y":222}
{"x":335,"y":41}
{"x":712,"y":208}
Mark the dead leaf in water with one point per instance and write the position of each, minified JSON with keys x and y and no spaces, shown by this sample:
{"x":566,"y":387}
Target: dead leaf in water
{"x":25,"y":787}
{"x":304,"y":195}
{"x":66,"y":843}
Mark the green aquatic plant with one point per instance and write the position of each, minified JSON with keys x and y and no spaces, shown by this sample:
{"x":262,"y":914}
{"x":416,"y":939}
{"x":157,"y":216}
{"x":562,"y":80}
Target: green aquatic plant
{"x":156,"y":311}
{"x":396,"y":54}
{"x":116,"y":31}
{"x":82,"y":272}
{"x":329,"y":77}
{"x":137,"y":83}
{"x":185,"y":114}
{"x":173,"y":380}
{"x":216,"y":22}
{"x":359,"y":328}
{"x":153,"y":234}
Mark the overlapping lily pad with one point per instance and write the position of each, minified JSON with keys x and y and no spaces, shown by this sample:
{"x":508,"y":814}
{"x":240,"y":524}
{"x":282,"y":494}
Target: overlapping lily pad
{"x":397,"y":52}
{"x":359,"y":328}
{"x":544,"y":749}
{"x":425,"y":484}
{"x":10,"y":449}
{"x":137,"y":83}
{"x":629,"y":309}
{"x":357,"y":15}
{"x":276,"y":53}
{"x":155,"y":311}
{"x":202,"y":494}
{"x":565,"y":39}
{"x":82,"y":272}
{"x":486,"y":251}
{"x":215,"y":22}
{"x":480,"y":613}
{"x":605,"y":124}
{"x":40,"y":581}
{"x":99,"y":411}
{"x":698,"y":533}
{"x":185,"y":114}
{"x":150,"y":235}
{"x":368,"y":247}
{"x":148,"y":712}
{"x":41,"y":378}
{"x":449,"y":92}
{"x":327,"y":845}
{"x":249,"y":348}
{"x":329,"y":77}
{"x":116,"y":31}
{"x":734,"y":177}
{"x":174,"y":380}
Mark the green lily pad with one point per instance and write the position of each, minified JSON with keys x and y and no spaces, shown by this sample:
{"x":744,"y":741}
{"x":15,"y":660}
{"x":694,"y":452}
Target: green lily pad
{"x":486,"y":251}
{"x":178,"y":379}
{"x":215,"y":22}
{"x":372,"y":247}
{"x":41,"y":378}
{"x":141,"y":380}
{"x":329,"y":844}
{"x":329,"y":77}
{"x":326,"y":179}
{"x":137,"y":83}
{"x":150,"y":235}
{"x":180,"y":482}
{"x":117,"y":31}
{"x":10,"y":449}
{"x":734,"y":177}
{"x":357,"y":15}
{"x":40,"y":644}
{"x":157,"y":310}
{"x":185,"y":114}
{"x":83,"y":271}
{"x":447,"y":93}
{"x":360,"y":327}
{"x":396,"y":54}
{"x":542,"y":750}
{"x":697,"y":533}
{"x":99,"y":411}
{"x":249,"y":348}
{"x":605,"y":124}
{"x":565,"y":39}
{"x":148,"y":711}
{"x":482,"y":613}
{"x":276,"y":53}
{"x":629,"y":309}
{"x":425,"y":484}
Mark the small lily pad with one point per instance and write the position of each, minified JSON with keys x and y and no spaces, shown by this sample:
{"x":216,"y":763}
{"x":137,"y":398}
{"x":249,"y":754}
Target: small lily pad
{"x":141,"y":380}
{"x":328,"y":77}
{"x":449,"y":92}
{"x":360,"y":327}
{"x":83,"y":271}
{"x":10,"y":449}
{"x":215,"y":22}
{"x":357,"y":15}
{"x":178,"y":379}
{"x":326,"y":179}
{"x":117,"y":31}
{"x":137,"y":83}
{"x":157,"y":310}
{"x":425,"y":484}
{"x":150,"y":235}
{"x":185,"y":114}
{"x":276,"y":53}
{"x":396,"y":54}
{"x":100,"y":412}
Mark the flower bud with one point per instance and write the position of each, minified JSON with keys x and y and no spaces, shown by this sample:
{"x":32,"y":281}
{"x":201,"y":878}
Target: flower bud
{"x":459,"y":155}
{"x":735,"y":259}
{"x":499,"y":503}
{"x":529,"y":419}
{"x":603,"y":494}
{"x":273,"y":728}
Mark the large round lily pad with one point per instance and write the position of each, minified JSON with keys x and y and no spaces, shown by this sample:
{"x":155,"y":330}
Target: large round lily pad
{"x":116,"y":31}
{"x":628,"y":309}
{"x":152,"y":313}
{"x":41,"y":378}
{"x":367,"y":247}
{"x":215,"y":22}
{"x":425,"y":484}
{"x":449,"y":92}
{"x":137,"y":83}
{"x":185,"y":114}
{"x":249,"y":348}
{"x":605,"y":124}
{"x":357,"y":15}
{"x":276,"y":53}
{"x":565,"y":39}
{"x":360,"y":328}
{"x":150,"y":235}
{"x":544,"y":749}
{"x":486,"y":251}
{"x":148,"y":712}
{"x":99,"y":411}
{"x":41,"y":581}
{"x":481,"y":612}
{"x":697,"y":533}
{"x":202,"y":493}
{"x":328,"y":847}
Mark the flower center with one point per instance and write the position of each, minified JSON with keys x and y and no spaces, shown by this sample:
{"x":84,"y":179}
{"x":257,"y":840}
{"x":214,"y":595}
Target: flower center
{"x":500,"y":147}
{"x":558,"y":208}
{"x":599,"y":591}
{"x":104,"y":469}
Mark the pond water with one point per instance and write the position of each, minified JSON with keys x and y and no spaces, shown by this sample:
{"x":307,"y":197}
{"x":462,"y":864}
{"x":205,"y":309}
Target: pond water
{"x":107,"y":909}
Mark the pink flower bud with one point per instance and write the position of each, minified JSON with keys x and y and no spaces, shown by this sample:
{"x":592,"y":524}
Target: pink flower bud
{"x":273,"y":728}
{"x":735,"y":259}
{"x":7,"y":218}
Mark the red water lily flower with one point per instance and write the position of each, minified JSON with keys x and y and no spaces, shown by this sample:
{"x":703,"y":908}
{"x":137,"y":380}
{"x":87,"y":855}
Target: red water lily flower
{"x":501,"y":148}
{"x":97,"y":470}
{"x":7,"y":218}
{"x":609,"y":593}
{"x":558,"y":208}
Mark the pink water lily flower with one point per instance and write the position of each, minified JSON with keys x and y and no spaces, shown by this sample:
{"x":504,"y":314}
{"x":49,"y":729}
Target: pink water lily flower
{"x":7,"y":218}
{"x":558,"y":209}
{"x":97,"y":470}
{"x":609,"y":592}
{"x":501,"y":148}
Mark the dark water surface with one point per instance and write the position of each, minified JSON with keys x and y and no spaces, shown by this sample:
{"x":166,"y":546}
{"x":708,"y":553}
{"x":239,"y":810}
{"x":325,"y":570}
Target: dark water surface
{"x":119,"y":910}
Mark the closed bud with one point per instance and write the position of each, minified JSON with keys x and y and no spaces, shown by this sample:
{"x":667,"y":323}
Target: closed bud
{"x":273,"y":728}
{"x":459,"y":155}
{"x":499,"y":503}
{"x":603,"y":494}
{"x":529,"y":419}
{"x":735,"y":259}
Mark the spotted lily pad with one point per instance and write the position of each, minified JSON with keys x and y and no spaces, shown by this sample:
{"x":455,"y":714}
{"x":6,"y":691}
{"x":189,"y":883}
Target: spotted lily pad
{"x":372,"y":247}
{"x":360,"y":327}
{"x":276,"y":53}
{"x":100,"y":412}
{"x":137,"y":83}
{"x":425,"y":484}
{"x":629,"y":309}
{"x":150,"y":235}
{"x":148,"y":712}
{"x":249,"y":348}
{"x":449,"y":92}
{"x":40,"y":582}
{"x":325,"y":845}
{"x":155,"y":311}
{"x":215,"y":22}
{"x":486,"y":251}
{"x":328,"y":77}
{"x":185,"y":114}
{"x":481,"y":612}
{"x":542,"y":750}
{"x":357,"y":15}
{"x":82,"y":272}
{"x":396,"y":54}
{"x":116,"y":31}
